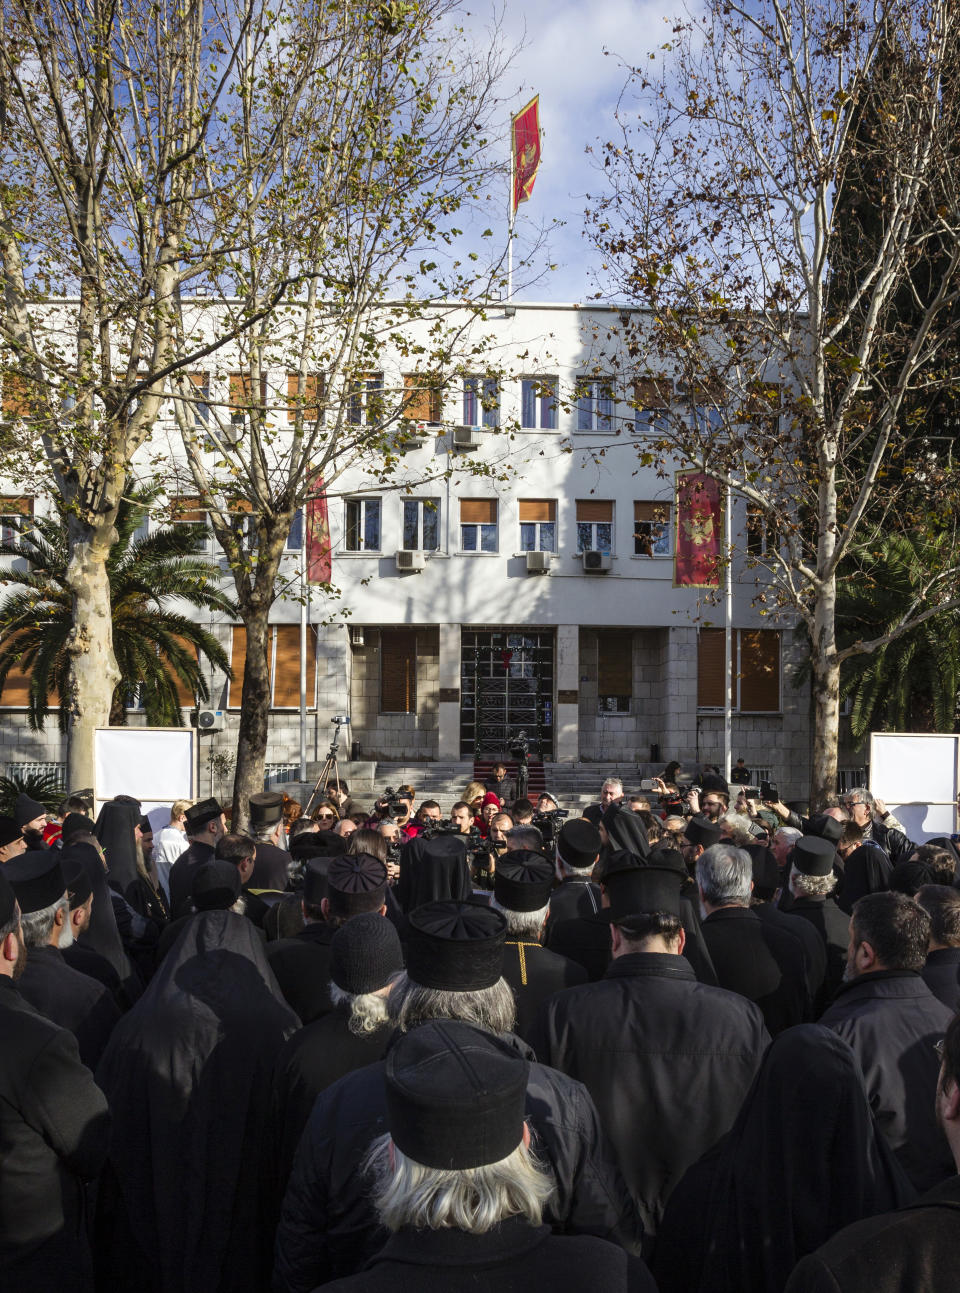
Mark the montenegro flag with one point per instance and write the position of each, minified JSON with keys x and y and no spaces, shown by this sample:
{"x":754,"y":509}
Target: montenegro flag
{"x":526,"y":151}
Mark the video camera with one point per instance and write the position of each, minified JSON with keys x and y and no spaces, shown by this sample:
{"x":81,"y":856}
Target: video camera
{"x":390,"y":805}
{"x":549,"y":824}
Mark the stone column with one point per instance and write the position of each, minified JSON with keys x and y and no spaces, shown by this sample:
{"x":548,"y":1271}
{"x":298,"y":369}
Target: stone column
{"x":448,"y":695}
{"x":678,"y":672}
{"x":566,"y":718}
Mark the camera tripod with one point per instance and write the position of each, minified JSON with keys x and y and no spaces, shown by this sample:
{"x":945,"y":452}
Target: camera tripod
{"x":330,"y":770}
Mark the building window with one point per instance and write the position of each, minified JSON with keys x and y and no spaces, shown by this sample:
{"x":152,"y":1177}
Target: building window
{"x":614,"y":670}
{"x":422,"y":398}
{"x":651,"y":400}
{"x":481,"y":402}
{"x":756,"y":670}
{"x":310,"y":396}
{"x":15,"y":513}
{"x":421,"y":524}
{"x":398,"y":671}
{"x":478,"y":524}
{"x":538,"y":525}
{"x":362,"y":530}
{"x":756,"y":531}
{"x":594,"y":403}
{"x":283,"y":663}
{"x":365,"y":401}
{"x":242,"y":402}
{"x":704,"y":404}
{"x":295,"y":537}
{"x":594,"y":525}
{"x":20,"y":397}
{"x":189,"y":511}
{"x":199,"y":395}
{"x":651,"y":529}
{"x":538,"y":403}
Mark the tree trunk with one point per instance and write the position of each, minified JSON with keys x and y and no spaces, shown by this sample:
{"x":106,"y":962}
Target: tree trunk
{"x":254,"y":715}
{"x":93,"y":668}
{"x":826,"y":698}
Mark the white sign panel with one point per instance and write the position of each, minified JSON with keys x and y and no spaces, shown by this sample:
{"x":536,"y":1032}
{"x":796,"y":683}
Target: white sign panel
{"x":918,"y":777}
{"x":154,"y":764}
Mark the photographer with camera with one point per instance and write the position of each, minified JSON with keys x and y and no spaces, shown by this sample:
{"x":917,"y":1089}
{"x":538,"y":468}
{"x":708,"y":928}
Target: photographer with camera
{"x":485,"y":856}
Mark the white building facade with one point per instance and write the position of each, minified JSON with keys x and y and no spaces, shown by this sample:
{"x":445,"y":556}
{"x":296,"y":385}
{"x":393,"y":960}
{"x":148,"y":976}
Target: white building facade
{"x":538,"y":597}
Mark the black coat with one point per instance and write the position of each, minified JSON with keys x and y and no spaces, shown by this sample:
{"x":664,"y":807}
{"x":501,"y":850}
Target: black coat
{"x":187,"y":1203}
{"x":512,"y":1258}
{"x":761,"y":961}
{"x":89,"y":962}
{"x":941,"y":974}
{"x":311,"y":1060}
{"x":667,"y":1060}
{"x":891,"y":1020}
{"x":103,"y":934}
{"x":833,"y":926}
{"x":535,"y":974}
{"x":54,"y":1132}
{"x":915,"y":1250}
{"x":569,"y":934}
{"x":270,"y":868}
{"x":71,"y":1000}
{"x":327,"y":1226}
{"x":182,"y":873}
{"x":814,"y":951}
{"x":302,"y":968}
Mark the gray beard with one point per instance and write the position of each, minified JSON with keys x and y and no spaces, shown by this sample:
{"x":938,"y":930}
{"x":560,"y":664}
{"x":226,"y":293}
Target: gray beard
{"x":66,"y":938}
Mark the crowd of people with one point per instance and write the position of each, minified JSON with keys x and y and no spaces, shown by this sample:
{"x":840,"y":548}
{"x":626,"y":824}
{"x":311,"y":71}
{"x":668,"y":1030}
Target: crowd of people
{"x":691,"y":1039}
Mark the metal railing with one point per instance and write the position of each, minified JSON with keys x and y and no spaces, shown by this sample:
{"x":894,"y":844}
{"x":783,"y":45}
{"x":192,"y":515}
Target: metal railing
{"x":39,"y":769}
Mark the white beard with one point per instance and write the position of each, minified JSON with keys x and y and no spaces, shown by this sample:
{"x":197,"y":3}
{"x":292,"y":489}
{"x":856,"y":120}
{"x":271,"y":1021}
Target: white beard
{"x":66,"y":938}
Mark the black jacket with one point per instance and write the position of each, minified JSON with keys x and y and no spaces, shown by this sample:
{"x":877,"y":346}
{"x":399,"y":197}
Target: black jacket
{"x":762,"y":961}
{"x":512,"y":1258}
{"x":814,"y":951}
{"x":71,"y":1000}
{"x":54,"y":1132}
{"x":891,"y":1020}
{"x":915,"y":1250}
{"x":535,"y":974}
{"x":181,"y":875}
{"x":270,"y":868}
{"x":327,"y":1226}
{"x":941,"y":974}
{"x":570,"y":935}
{"x":833,"y":926}
{"x":311,"y":1060}
{"x":667,"y":1060}
{"x":302,"y":968}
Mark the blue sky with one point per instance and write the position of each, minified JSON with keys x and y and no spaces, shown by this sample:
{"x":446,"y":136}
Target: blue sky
{"x":573,"y":57}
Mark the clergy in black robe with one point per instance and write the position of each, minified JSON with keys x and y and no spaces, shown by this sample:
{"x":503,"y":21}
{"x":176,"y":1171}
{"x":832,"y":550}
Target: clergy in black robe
{"x":941,"y":973}
{"x":101,"y":935}
{"x":803,"y":1159}
{"x":204,"y":824}
{"x":116,"y":830}
{"x":187,"y":1198}
{"x":433,"y":870}
{"x":571,"y":928}
{"x":811,"y":886}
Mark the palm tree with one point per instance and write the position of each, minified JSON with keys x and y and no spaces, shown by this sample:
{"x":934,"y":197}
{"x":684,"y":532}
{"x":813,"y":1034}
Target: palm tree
{"x":911,"y":683}
{"x":157,"y":649}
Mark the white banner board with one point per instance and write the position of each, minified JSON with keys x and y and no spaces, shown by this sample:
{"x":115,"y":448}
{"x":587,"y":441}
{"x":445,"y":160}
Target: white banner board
{"x":917,"y":775}
{"x":154,"y":764}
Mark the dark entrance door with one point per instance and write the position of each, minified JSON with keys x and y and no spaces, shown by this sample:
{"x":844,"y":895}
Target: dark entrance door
{"x":506,"y":686}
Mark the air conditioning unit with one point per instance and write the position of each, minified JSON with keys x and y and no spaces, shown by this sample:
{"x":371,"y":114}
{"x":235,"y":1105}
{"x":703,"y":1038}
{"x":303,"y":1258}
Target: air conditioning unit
{"x":410,"y":560}
{"x":210,"y":720}
{"x":596,"y":561}
{"x":538,"y":563}
{"x":411,"y":435}
{"x":466,"y":439}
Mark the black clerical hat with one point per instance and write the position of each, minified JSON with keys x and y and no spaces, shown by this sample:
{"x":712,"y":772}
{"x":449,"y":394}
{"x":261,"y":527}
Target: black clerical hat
{"x":812,"y":855}
{"x":456,"y":1095}
{"x":26,"y":809}
{"x":826,"y":828}
{"x":364,"y":953}
{"x":197,"y":815}
{"x":579,"y":843}
{"x":667,"y":859}
{"x":523,"y":880}
{"x":455,"y":946}
{"x":8,"y":899}
{"x":318,"y":844}
{"x":37,"y":879}
{"x":266,"y":808}
{"x":216,"y":886}
{"x":356,"y":883}
{"x":79,"y":884}
{"x":10,"y":830}
{"x":75,"y":822}
{"x":640,"y":891}
{"x":315,"y":881}
{"x":617,"y":861}
{"x":701,"y":830}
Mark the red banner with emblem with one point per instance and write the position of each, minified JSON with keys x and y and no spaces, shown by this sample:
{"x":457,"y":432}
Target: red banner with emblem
{"x":319,"y":548}
{"x":526,"y":151}
{"x":698,"y":552}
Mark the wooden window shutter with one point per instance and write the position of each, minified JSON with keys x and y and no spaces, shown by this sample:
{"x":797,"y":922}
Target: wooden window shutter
{"x":658,"y":513}
{"x":594,"y":509}
{"x":238,"y":651}
{"x":313,"y":393}
{"x":398,"y":671}
{"x":615,"y":662}
{"x":188,"y":508}
{"x":538,"y":509}
{"x":286,"y":676}
{"x":421,"y":398}
{"x":478,"y":511}
{"x":19,"y":396}
{"x":16,"y":689}
{"x":241,"y":390}
{"x":19,"y":505}
{"x":760,"y":671}
{"x":652,"y":392}
{"x":711,"y":654}
{"x":185,"y":696}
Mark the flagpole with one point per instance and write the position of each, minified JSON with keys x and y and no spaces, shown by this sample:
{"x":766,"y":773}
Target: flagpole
{"x":511,"y":213}
{"x":728,"y":645}
{"x":304,"y":595}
